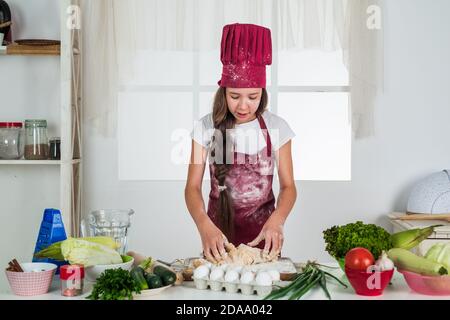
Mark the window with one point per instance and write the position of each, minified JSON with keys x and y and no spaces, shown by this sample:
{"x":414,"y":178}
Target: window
{"x":312,"y":94}
{"x":308,"y":88}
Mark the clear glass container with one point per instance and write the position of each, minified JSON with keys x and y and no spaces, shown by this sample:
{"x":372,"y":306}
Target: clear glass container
{"x":110,"y":223}
{"x":11,"y":140}
{"x":55,"y":149}
{"x":36,"y":141}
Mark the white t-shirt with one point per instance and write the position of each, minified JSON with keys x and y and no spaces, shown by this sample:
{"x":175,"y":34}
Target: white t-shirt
{"x":247,"y":137}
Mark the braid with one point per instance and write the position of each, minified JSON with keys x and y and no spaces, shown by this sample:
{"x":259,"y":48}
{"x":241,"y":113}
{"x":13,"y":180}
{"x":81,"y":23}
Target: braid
{"x":224,"y":120}
{"x":221,"y":168}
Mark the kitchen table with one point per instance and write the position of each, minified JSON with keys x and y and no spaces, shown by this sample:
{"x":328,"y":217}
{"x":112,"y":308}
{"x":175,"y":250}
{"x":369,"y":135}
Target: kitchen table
{"x":397,"y":291}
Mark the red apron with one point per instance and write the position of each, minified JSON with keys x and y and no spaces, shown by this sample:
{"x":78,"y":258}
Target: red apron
{"x":250,"y":186}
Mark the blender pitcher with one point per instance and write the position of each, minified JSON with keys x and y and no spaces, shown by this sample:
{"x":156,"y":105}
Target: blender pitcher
{"x":110,"y":223}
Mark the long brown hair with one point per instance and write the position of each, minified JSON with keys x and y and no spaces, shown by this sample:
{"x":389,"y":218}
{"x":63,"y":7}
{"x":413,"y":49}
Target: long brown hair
{"x":223,"y":120}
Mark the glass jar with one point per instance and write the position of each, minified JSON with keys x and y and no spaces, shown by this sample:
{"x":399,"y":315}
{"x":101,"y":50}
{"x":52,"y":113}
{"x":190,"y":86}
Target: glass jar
{"x":11,"y":140}
{"x":36,"y":141}
{"x":55,"y":149}
{"x":72,"y":280}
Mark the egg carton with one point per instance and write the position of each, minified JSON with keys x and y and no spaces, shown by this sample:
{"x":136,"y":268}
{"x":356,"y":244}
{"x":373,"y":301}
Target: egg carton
{"x":233,"y":287}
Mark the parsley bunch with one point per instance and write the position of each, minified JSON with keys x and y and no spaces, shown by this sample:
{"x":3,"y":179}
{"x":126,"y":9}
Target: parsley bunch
{"x":341,"y":239}
{"x":114,"y":284}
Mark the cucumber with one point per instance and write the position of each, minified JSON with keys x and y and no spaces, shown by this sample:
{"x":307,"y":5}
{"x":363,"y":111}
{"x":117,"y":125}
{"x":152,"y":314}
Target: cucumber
{"x":153,"y":281}
{"x":168,"y":276}
{"x":138,"y":276}
{"x":408,"y":261}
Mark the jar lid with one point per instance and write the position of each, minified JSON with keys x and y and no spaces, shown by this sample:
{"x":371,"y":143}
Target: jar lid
{"x":36,"y":123}
{"x":72,"y":271}
{"x":10,"y":124}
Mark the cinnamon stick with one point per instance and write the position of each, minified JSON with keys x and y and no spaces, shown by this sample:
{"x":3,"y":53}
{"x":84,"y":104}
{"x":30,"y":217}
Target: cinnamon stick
{"x":18,"y":267}
{"x":14,"y":266}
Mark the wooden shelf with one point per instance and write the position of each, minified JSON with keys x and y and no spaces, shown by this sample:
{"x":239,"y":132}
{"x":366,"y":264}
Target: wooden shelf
{"x":16,"y":49}
{"x":36,"y":162}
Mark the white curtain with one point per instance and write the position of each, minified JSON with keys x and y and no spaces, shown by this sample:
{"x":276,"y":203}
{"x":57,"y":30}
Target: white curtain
{"x":115,"y":30}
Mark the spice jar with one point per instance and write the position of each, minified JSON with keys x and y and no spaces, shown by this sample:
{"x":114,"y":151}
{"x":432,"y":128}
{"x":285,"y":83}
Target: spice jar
{"x":36,"y":141}
{"x":11,"y":140}
{"x":55,"y":148}
{"x":72,"y":280}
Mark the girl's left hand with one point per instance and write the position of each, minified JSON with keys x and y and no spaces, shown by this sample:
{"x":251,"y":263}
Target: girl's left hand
{"x":272,"y":233}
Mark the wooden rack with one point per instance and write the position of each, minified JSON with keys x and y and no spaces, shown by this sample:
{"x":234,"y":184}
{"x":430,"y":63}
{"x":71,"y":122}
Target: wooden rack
{"x":20,"y":49}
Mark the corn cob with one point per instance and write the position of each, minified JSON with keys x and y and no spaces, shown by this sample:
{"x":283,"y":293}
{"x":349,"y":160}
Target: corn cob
{"x":411,"y":238}
{"x":406,"y":260}
{"x":54,"y":251}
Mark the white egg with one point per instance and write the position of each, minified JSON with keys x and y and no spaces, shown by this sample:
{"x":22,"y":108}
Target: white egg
{"x":238,"y":269}
{"x":216,"y":274}
{"x":223,"y":267}
{"x":247,"y":277}
{"x":231,"y":276}
{"x":263,"y":279}
{"x":202,"y":272}
{"x":274,"y":274}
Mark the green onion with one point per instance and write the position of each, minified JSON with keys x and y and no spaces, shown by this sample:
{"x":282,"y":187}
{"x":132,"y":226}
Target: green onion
{"x":310,"y":277}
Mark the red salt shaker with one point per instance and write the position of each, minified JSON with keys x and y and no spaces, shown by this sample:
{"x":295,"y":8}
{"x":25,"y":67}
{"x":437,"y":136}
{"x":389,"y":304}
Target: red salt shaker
{"x":72,"y":280}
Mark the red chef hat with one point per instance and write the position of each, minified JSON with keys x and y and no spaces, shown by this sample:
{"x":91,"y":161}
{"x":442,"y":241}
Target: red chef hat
{"x":246,"y":49}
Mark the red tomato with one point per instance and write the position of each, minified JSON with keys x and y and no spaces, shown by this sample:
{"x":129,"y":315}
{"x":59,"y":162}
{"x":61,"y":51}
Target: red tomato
{"x":359,"y":259}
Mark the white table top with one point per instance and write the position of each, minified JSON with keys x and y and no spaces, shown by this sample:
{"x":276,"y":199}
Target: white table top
{"x":397,"y":291}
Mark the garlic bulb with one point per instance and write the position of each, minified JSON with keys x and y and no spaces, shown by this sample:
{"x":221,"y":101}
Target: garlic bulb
{"x":384,"y":263}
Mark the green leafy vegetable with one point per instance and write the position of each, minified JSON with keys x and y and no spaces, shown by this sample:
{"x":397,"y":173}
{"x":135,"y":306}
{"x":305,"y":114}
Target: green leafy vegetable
{"x":310,"y":277}
{"x":114,"y":284}
{"x":87,"y":253}
{"x":340,"y":239}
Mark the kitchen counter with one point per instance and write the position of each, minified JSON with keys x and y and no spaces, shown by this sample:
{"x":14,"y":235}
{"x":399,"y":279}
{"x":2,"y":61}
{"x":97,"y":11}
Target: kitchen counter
{"x":397,"y":291}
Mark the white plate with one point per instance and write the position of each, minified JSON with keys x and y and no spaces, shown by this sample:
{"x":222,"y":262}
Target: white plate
{"x":150,"y":292}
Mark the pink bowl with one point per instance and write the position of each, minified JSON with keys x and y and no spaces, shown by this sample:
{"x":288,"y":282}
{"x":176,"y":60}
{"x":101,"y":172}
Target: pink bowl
{"x":428,"y":285}
{"x":36,"y":279}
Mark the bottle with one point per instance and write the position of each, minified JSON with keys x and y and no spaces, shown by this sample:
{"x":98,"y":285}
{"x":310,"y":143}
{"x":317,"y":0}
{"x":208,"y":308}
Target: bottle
{"x":72,"y":280}
{"x":55,"y":149}
{"x":36,"y":141}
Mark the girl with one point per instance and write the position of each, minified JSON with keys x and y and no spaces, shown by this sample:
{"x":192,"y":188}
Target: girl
{"x":241,"y":207}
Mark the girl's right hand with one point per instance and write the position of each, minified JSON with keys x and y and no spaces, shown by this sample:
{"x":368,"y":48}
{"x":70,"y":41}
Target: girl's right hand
{"x":213,"y":241}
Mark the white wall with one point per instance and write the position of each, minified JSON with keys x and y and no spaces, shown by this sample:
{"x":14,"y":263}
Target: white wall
{"x":29,"y":89}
